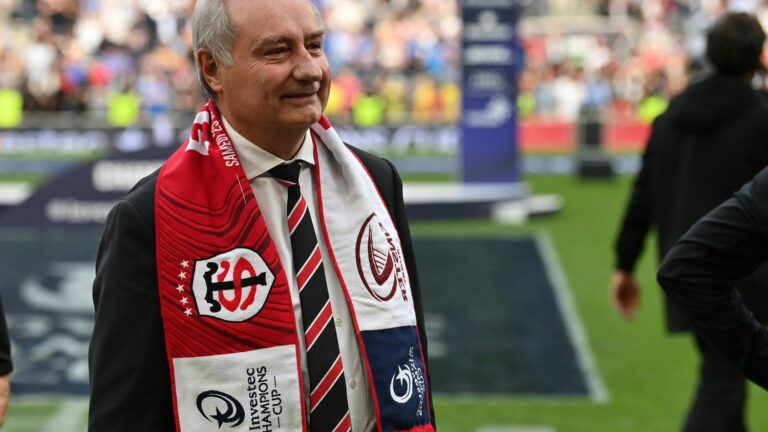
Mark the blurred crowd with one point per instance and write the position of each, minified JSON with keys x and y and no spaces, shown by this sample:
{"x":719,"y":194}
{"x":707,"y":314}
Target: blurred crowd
{"x":628,"y":66}
{"x":74,"y":55}
{"x":392,"y":60}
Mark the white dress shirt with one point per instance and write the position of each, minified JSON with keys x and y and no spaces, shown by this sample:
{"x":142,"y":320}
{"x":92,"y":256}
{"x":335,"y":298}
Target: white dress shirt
{"x":272,"y":198}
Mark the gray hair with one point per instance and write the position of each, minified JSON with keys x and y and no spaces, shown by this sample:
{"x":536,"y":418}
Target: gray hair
{"x":212,"y":29}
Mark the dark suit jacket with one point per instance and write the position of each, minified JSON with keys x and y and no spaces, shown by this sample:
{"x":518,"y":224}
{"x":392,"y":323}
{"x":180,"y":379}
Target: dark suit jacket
{"x":712,"y":140}
{"x":129,"y":373}
{"x":700,"y":271}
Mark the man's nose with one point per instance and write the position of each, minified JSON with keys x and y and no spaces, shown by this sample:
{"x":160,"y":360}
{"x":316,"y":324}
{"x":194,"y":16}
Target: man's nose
{"x":307,"y":67}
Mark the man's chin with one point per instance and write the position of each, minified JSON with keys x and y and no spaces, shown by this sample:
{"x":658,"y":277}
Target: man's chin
{"x":303,"y":119}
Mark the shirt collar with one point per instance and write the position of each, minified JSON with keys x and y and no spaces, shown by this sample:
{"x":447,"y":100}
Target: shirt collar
{"x":257,"y":161}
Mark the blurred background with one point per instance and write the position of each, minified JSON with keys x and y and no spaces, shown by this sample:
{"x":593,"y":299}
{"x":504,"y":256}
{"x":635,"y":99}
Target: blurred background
{"x":517,"y":126}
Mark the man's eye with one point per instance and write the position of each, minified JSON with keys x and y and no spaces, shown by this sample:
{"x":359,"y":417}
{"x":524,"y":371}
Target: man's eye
{"x":276,"y":51}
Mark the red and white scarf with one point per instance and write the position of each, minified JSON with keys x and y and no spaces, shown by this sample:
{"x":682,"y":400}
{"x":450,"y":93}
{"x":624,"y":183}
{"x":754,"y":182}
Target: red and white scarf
{"x":229,"y":323}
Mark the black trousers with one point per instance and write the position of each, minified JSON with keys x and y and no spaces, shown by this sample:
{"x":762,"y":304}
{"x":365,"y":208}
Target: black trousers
{"x":720,"y":398}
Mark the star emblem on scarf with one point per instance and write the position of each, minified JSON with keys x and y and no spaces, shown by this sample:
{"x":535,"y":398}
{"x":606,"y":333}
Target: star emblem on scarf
{"x":183,"y":297}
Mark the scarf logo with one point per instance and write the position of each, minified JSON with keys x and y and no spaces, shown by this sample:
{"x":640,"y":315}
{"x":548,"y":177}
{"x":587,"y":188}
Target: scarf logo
{"x":232,"y":286}
{"x":226,"y":408}
{"x":406,"y":380}
{"x":379,"y":261}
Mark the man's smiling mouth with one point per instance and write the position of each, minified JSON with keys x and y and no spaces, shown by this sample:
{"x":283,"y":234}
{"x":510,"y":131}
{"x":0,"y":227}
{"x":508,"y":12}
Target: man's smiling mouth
{"x":299,"y":95}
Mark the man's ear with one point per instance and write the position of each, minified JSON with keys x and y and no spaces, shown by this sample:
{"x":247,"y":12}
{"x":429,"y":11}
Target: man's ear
{"x":209,"y":68}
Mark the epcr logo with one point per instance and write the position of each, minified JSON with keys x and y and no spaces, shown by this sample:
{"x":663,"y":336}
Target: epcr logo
{"x":407,"y":381}
{"x":232,"y":286}
{"x":404,"y":379}
{"x":221,"y":407}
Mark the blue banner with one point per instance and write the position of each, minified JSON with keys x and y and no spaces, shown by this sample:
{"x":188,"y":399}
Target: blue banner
{"x":492,"y":58}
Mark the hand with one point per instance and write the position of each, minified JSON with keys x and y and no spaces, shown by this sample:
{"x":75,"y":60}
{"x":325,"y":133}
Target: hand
{"x":5,"y":397}
{"x":625,"y":294}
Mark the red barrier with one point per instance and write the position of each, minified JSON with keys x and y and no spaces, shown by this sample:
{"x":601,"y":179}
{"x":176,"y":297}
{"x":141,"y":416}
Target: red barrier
{"x":551,"y":136}
{"x":626,"y":136}
{"x":546,"y":136}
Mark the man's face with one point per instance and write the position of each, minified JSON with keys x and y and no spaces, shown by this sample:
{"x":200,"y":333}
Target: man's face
{"x":280,"y":78}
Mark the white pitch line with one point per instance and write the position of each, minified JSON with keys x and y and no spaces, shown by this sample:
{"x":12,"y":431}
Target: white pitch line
{"x":573,"y":324}
{"x":69,"y":417}
{"x":508,"y":428}
{"x":22,"y":425}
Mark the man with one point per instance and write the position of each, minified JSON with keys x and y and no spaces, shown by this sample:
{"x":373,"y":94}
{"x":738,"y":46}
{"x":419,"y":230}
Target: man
{"x":701,"y":271}
{"x":264,"y":278}
{"x":709,"y":142}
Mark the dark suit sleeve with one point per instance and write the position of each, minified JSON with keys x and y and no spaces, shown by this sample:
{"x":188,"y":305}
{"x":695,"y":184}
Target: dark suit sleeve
{"x":700,"y":271}
{"x":401,"y":222}
{"x":130,"y":385}
{"x":638,"y":215}
{"x":6,"y":364}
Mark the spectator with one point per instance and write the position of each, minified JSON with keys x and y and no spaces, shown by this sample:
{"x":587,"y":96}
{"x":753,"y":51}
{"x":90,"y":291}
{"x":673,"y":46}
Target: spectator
{"x":569,"y":93}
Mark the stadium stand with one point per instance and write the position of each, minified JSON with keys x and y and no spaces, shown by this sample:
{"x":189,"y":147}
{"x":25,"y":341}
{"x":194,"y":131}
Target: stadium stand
{"x":88,"y":56}
{"x":83,"y":56}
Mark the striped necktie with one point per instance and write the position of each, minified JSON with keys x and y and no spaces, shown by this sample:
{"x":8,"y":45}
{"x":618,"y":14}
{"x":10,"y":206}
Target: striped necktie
{"x":329,"y":410}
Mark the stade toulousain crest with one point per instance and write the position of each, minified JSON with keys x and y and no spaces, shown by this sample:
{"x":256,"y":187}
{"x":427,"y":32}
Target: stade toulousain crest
{"x":379,"y":262}
{"x":232,"y":286}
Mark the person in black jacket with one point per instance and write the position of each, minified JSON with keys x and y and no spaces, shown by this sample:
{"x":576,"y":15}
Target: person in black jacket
{"x":710,"y":141}
{"x":702,"y":270}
